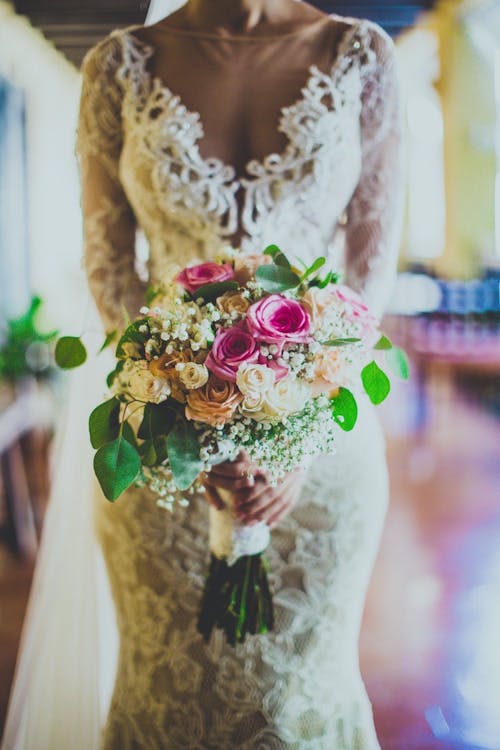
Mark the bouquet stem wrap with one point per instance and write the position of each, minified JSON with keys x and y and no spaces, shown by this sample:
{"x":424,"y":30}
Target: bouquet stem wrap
{"x":236,"y":597}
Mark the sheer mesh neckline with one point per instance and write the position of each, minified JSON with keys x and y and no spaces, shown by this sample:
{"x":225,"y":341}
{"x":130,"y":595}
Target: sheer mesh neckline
{"x":156,"y":83}
{"x":242,"y":37}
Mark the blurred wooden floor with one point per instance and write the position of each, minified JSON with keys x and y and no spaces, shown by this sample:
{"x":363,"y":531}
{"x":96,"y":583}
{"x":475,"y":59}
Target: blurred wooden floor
{"x":430,"y":646}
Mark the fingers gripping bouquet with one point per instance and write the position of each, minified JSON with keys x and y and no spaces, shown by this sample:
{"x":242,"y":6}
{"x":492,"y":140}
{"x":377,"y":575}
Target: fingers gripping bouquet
{"x":250,"y":354}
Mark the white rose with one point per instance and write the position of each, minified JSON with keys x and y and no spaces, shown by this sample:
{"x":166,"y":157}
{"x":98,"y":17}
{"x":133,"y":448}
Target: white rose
{"x":252,"y":406}
{"x":286,"y":397}
{"x":144,"y":386}
{"x":254,"y":379}
{"x":192,"y":375}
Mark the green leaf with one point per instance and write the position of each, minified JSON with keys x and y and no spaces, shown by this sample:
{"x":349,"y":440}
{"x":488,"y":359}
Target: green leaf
{"x":184,"y":454}
{"x":209,"y":292}
{"x":383,"y":343}
{"x":133,"y":336}
{"x":398,"y":362}
{"x":104,"y":424}
{"x":340,"y":342}
{"x":158,"y":419}
{"x":375,"y":382}
{"x":330,"y":278}
{"x":272,"y":250}
{"x":129,"y":434}
{"x":274,"y":279}
{"x":114,"y":373}
{"x":318,"y":263}
{"x":116,"y":465}
{"x":110,"y":337}
{"x":154,"y":452}
{"x":70,"y":352}
{"x":151,"y":293}
{"x":344,"y":409}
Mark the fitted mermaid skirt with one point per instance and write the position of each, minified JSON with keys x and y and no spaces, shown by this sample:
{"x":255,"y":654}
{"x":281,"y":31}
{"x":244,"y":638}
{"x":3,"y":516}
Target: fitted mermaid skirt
{"x":298,"y":687}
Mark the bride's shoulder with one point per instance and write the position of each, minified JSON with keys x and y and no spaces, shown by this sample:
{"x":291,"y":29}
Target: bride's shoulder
{"x":113,"y":52}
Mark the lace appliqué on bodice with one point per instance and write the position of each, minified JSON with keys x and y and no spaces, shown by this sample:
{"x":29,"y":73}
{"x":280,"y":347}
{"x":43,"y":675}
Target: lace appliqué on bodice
{"x":342,"y":141}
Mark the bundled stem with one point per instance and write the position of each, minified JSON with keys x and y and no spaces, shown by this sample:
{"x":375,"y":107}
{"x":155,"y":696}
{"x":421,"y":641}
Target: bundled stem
{"x":236,"y":599}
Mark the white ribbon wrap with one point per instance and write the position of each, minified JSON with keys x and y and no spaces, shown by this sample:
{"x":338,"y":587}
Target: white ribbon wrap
{"x":230,"y":539}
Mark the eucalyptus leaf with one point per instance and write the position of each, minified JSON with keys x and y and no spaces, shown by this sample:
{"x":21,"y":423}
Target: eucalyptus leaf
{"x":274,"y":279}
{"x":375,"y":382}
{"x":344,"y":409}
{"x":383,"y":343}
{"x":280,"y":259}
{"x":398,"y":362}
{"x":184,"y":454}
{"x":158,"y":419}
{"x":340,"y":342}
{"x":70,"y":352}
{"x":116,"y":465}
{"x":104,"y":424}
{"x":210,"y":292}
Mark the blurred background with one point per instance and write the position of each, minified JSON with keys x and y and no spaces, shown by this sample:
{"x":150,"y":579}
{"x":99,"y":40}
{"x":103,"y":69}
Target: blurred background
{"x":431,"y":635}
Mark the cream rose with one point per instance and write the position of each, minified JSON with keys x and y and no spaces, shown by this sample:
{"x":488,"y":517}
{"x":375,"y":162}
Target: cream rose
{"x":253,"y":379}
{"x":233,"y":303}
{"x":286,"y":397}
{"x":192,"y":375}
{"x":144,"y":386}
{"x":252,"y":406}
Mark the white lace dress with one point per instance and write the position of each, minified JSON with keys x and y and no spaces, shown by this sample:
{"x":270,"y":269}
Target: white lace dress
{"x":299,"y":687}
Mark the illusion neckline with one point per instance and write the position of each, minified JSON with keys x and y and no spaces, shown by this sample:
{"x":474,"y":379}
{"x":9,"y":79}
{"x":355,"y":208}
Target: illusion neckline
{"x":255,"y":166}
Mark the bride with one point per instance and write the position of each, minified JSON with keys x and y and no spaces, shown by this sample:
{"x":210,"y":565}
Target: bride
{"x":243,"y":123}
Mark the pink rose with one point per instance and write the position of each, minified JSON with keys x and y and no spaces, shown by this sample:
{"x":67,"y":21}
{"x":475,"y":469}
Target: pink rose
{"x":276,"y":319}
{"x":205,"y":273}
{"x":355,"y":311}
{"x":231,"y":348}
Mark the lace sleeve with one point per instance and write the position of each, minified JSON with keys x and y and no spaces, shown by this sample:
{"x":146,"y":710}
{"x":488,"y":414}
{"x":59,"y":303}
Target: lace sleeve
{"x":375,"y":211}
{"x":108,"y":220}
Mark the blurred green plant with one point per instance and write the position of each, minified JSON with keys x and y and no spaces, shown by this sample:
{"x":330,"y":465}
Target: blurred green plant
{"x":24,"y":349}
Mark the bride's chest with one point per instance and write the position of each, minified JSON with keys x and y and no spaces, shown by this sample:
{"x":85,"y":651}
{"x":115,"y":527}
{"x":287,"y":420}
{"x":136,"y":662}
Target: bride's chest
{"x":241,"y":154}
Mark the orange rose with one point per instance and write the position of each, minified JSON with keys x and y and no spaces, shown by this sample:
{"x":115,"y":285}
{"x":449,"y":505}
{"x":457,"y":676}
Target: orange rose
{"x":164,"y":367}
{"x":213,"y":404}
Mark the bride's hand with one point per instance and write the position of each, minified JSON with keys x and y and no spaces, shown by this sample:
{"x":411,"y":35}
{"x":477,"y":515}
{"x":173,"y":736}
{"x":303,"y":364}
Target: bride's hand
{"x":255,"y":500}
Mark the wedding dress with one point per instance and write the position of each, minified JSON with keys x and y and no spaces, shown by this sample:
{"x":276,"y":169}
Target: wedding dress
{"x":334,"y":189}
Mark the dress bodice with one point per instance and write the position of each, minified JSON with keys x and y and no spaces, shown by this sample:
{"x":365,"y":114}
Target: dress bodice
{"x":141,"y":164}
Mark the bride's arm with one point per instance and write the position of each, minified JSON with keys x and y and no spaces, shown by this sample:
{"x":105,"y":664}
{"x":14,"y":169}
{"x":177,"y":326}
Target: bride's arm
{"x":375,"y":211}
{"x":108,"y":220}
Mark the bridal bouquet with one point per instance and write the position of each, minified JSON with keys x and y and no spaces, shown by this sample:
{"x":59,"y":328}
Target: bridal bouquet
{"x":245,"y":354}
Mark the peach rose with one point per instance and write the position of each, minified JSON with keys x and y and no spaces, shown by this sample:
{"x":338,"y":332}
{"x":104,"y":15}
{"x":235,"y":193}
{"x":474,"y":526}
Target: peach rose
{"x":245,"y":266}
{"x":233,"y":303}
{"x":215,"y":403}
{"x":317,"y":301}
{"x":327,"y":371}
